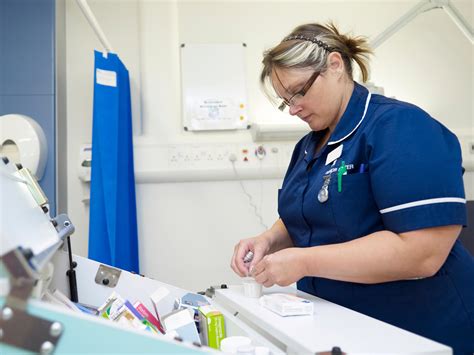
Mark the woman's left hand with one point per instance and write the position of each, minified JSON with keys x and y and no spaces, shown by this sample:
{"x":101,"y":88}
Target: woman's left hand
{"x":281,"y":268}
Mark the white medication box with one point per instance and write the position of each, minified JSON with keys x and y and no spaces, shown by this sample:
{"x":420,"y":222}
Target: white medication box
{"x":287,"y":305}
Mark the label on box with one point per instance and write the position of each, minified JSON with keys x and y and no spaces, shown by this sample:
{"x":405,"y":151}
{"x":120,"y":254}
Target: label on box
{"x":212,"y":326}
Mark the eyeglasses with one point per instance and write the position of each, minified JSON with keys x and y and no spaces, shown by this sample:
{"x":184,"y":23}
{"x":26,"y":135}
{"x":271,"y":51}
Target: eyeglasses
{"x":295,"y":98}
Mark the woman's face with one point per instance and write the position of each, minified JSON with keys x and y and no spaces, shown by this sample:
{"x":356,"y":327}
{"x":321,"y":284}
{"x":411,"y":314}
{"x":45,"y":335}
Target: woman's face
{"x":320,"y":107}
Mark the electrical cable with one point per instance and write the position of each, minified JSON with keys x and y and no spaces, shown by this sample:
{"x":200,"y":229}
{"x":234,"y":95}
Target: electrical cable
{"x":233,"y":159}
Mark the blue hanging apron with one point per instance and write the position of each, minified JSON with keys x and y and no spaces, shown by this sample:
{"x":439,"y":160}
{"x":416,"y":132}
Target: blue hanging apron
{"x":113,"y":237}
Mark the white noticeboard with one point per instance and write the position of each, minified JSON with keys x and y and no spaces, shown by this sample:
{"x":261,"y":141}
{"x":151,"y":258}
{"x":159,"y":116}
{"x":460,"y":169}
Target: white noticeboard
{"x":213,"y":87}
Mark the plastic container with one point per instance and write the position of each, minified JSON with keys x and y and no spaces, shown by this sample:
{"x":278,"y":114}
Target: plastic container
{"x":262,"y":350}
{"x":246,"y":350}
{"x":251,"y":287}
{"x":230,"y":345}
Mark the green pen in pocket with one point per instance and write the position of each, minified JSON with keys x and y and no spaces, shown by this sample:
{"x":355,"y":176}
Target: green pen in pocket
{"x":341,"y":171}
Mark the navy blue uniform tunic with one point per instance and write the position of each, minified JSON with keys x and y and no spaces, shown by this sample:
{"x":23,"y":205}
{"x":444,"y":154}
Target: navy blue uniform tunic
{"x":404,"y":173}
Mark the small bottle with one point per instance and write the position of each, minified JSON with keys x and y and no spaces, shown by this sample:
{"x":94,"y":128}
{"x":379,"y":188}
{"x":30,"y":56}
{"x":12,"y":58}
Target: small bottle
{"x":248,"y":257}
{"x":246,"y":350}
{"x":230,"y":345}
{"x":251,"y":287}
{"x":262,"y":350}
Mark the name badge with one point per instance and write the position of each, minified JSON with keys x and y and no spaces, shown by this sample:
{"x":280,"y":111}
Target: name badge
{"x":336,"y":153}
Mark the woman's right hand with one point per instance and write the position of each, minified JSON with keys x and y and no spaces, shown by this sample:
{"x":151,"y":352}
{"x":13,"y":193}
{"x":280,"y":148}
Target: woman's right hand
{"x":259,"y":245}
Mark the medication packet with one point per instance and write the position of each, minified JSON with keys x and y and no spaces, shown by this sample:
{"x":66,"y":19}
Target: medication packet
{"x":286,"y":304}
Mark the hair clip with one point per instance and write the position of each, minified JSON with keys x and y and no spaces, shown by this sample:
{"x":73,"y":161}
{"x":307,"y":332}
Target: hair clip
{"x":304,"y":38}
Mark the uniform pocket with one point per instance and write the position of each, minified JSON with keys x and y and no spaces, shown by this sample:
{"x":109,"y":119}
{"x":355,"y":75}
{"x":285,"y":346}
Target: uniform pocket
{"x":355,"y":211}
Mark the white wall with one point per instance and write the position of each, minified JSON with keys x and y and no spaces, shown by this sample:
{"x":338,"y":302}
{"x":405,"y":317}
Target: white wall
{"x":187,"y":230}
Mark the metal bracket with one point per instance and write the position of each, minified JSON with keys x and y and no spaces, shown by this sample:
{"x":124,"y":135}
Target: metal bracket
{"x":22,"y":330}
{"x":63,"y":225}
{"x":107,"y":276}
{"x":17,"y":327}
{"x":211,"y":290}
{"x":64,"y":228}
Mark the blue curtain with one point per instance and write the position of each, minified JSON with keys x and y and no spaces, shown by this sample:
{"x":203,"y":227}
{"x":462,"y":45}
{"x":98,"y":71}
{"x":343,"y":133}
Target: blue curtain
{"x":113,"y":237}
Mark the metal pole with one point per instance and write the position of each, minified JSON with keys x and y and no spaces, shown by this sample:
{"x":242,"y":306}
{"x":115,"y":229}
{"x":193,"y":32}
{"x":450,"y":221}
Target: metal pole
{"x":423,"y":6}
{"x":94,"y":24}
{"x":460,"y":21}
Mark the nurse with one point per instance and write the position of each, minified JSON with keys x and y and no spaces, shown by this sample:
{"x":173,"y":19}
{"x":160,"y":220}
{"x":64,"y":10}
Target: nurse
{"x":373,"y":200}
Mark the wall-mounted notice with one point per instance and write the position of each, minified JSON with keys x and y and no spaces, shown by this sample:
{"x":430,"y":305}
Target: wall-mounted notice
{"x":213,"y":87}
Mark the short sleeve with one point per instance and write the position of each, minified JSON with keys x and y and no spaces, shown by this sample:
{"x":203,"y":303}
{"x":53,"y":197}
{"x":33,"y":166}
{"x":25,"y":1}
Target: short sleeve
{"x":415,"y":168}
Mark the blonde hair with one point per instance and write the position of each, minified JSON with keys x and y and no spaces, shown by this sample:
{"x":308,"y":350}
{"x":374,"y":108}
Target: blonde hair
{"x":308,"y":46}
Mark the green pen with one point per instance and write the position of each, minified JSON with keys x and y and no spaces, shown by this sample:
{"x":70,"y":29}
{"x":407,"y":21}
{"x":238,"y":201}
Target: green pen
{"x":341,"y":171}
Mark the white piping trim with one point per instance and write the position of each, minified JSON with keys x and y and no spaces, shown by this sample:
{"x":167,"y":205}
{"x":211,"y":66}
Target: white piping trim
{"x":363,"y":116}
{"x":423,"y":202}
